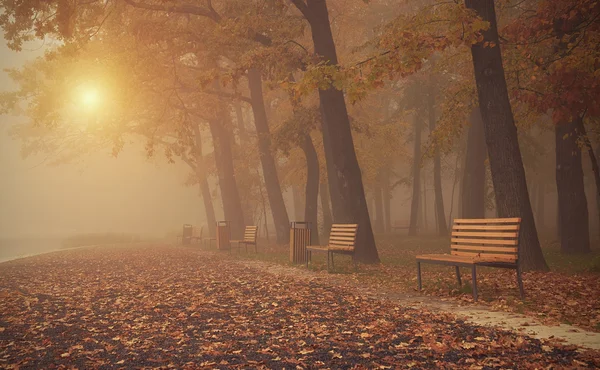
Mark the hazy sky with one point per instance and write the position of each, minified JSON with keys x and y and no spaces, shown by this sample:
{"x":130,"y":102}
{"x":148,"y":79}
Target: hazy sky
{"x":126,"y":194}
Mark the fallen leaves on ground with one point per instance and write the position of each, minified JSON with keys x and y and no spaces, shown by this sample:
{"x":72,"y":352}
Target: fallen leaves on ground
{"x":170,"y":307}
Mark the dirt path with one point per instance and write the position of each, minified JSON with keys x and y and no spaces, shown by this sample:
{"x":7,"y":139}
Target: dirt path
{"x":475,"y":314}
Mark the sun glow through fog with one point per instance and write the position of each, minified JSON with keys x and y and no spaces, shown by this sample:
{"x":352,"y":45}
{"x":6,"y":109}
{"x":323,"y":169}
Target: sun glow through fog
{"x":90,"y":98}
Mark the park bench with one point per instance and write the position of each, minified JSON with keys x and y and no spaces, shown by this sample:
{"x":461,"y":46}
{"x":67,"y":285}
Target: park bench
{"x":342,"y":240}
{"x":190,"y":234}
{"x":492,"y":242}
{"x":249,"y":238}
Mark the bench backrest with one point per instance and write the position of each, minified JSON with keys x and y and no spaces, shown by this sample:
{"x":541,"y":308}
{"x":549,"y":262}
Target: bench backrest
{"x":343,"y":235}
{"x":496,"y":239}
{"x":250,"y":234}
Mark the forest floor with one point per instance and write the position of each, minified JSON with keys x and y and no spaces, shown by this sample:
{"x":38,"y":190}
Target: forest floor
{"x":165,"y":307}
{"x":568,"y":294}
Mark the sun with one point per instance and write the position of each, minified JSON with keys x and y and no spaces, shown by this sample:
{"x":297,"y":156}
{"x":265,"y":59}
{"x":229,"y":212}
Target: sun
{"x":90,"y":98}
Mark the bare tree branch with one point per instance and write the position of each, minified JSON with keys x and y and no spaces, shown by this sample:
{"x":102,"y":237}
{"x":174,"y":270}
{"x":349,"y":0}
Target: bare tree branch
{"x":181,"y":9}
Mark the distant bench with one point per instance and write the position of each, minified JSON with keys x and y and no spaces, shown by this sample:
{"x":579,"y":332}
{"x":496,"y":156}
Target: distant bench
{"x":190,"y":234}
{"x":492,"y":242}
{"x":342,"y":240}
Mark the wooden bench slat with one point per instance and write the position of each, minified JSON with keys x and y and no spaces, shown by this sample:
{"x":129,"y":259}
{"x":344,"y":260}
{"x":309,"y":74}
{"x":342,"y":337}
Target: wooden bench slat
{"x":486,"y":256}
{"x":486,"y":234}
{"x":445,"y":257}
{"x":486,"y":227}
{"x":487,"y":220}
{"x":346,"y":238}
{"x":484,"y":248}
{"x":485,"y":241}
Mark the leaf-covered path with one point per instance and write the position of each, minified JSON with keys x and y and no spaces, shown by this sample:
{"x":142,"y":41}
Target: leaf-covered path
{"x":174,"y":307}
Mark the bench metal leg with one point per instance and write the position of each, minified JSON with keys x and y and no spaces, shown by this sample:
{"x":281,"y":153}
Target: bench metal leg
{"x":520,"y":282}
{"x":474,"y":273}
{"x":332,"y":264}
{"x":419,"y":275}
{"x":458,"y":276}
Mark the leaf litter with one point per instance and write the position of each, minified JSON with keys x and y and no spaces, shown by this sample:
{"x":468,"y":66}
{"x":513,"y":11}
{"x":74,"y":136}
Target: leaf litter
{"x":167,"y":307}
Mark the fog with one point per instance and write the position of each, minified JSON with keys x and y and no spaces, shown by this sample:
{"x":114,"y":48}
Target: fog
{"x":98,"y":194}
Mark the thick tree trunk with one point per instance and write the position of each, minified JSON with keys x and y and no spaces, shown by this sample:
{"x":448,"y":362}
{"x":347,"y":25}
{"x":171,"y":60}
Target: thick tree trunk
{"x":327,"y":218}
{"x":232,"y":206}
{"x":312,"y":187}
{"x":508,"y":174}
{"x":416,"y":175}
{"x":440,"y":212}
{"x":337,"y":126}
{"x":209,"y":208}
{"x":425,"y":223}
{"x":274,"y":194}
{"x":574,"y":222}
{"x":332,"y":181}
{"x":378,"y":199}
{"x":473,"y":184}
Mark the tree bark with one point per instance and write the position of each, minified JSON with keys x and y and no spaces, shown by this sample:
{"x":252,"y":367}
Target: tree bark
{"x":440,"y":212}
{"x":239,"y":117}
{"x":574,"y":221}
{"x":274,"y":194}
{"x":312,"y":187}
{"x":337,"y":126}
{"x":416,"y":175}
{"x":508,"y":174}
{"x":327,"y":218}
{"x":232,"y":206}
{"x":334,"y":195}
{"x":387,"y":199}
{"x":378,"y":199}
{"x":456,"y":175}
{"x":473,"y":184}
{"x":297,"y":198}
{"x":595,"y":168}
{"x":209,"y":208}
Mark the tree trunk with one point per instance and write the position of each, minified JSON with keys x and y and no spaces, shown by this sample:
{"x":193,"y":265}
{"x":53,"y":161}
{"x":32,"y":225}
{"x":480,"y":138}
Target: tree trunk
{"x":378,"y":199}
{"x":298,"y":206}
{"x":508,"y":174}
{"x":456,"y":176}
{"x":415,"y":201}
{"x":239,"y":117}
{"x":209,"y":208}
{"x":274,"y":194}
{"x":424,"y":207}
{"x":574,"y":221}
{"x":312,"y":187}
{"x":337,"y":126}
{"x":327,"y":218}
{"x":473,"y":184}
{"x":440,"y":212}
{"x":232,"y":206}
{"x":387,"y":199}
{"x":595,"y":168}
{"x":334,"y":195}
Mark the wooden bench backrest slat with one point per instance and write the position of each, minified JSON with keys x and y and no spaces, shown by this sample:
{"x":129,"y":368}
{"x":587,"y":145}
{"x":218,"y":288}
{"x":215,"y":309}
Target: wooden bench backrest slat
{"x":250,"y":233}
{"x":485,"y":241}
{"x":486,"y":221}
{"x":486,"y":235}
{"x":464,"y":227}
{"x":495,"y":239}
{"x":484,"y":248}
{"x":343,"y":235}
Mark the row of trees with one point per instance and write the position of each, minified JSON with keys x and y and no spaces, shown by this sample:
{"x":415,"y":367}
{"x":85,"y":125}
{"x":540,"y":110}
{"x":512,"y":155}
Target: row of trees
{"x":190,"y":78}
